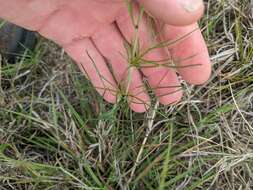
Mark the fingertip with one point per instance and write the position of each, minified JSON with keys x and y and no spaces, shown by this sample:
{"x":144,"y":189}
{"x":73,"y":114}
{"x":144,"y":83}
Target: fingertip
{"x":172,"y":98}
{"x":178,"y":13}
{"x":109,"y":97}
{"x":201,"y":75}
{"x":139,"y":103}
{"x":192,"y":11}
{"x":93,"y":66}
{"x":140,"y":108}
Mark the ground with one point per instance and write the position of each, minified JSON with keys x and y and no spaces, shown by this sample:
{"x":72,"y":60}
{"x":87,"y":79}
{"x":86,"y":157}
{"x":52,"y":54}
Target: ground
{"x":57,"y":133}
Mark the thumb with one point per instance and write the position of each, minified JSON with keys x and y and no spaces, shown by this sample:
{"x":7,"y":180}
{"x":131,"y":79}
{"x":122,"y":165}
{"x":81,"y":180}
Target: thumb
{"x":175,"y":12}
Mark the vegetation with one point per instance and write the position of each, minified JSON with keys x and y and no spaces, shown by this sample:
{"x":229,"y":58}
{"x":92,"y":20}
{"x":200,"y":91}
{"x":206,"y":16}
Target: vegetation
{"x":57,"y":133}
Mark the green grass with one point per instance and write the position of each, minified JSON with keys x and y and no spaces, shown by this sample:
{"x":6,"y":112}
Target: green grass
{"x":57,"y":133}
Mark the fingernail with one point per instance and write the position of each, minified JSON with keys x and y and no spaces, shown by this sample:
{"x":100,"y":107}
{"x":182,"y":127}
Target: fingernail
{"x":191,"y":5}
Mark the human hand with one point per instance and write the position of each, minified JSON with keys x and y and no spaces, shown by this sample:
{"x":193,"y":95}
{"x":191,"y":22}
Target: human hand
{"x":93,"y":33}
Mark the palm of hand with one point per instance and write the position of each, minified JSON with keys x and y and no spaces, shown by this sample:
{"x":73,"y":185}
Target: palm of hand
{"x":61,"y":20}
{"x":88,"y":32}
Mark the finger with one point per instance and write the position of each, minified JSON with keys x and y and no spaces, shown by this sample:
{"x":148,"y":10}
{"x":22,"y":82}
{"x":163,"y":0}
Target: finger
{"x":175,"y":12}
{"x":162,"y":79}
{"x":111,"y":45}
{"x":94,"y":67}
{"x":190,"y":53}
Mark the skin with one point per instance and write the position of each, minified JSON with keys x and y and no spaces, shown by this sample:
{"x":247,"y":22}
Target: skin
{"x":93,"y":33}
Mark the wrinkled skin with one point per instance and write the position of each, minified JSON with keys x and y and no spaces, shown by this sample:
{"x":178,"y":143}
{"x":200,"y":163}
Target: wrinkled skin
{"x":93,"y":33}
